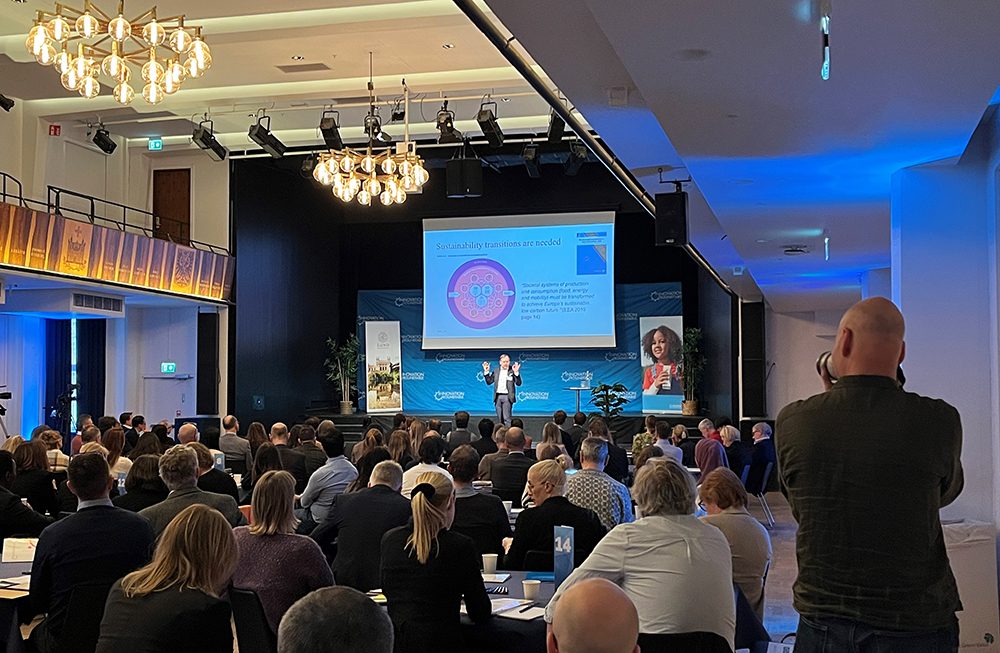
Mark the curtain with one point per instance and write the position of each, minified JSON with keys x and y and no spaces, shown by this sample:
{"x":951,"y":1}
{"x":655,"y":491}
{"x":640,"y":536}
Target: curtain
{"x":57,"y":371}
{"x":91,"y":341}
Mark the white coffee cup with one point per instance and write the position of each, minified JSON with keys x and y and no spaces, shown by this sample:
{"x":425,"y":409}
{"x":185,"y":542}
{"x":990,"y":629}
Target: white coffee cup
{"x":489,"y":563}
{"x":508,"y":506}
{"x":531,"y":588}
{"x":238,"y":478}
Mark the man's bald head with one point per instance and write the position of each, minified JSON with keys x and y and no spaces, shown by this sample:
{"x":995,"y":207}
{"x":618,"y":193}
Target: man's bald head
{"x":870,"y":339}
{"x":515,"y":439}
{"x":187,"y":433}
{"x":594,"y":616}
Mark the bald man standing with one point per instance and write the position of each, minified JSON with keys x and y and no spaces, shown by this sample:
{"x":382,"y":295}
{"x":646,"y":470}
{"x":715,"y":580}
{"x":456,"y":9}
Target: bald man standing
{"x":866,"y":467}
{"x":594,"y":616}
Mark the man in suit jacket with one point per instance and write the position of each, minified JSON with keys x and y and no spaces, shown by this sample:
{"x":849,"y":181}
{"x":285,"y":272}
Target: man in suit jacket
{"x":504,"y":381}
{"x":179,"y":471}
{"x":95,"y":546}
{"x":308,"y":447}
{"x":211,"y":479}
{"x":15,"y":517}
{"x":510,"y":473}
{"x":485,"y":444}
{"x":291,"y":461}
{"x":578,"y":432}
{"x":480,"y":517}
{"x":461,"y":434}
{"x":134,"y":433}
{"x":353,"y":530}
{"x":237,"y":449}
{"x":761,"y":454}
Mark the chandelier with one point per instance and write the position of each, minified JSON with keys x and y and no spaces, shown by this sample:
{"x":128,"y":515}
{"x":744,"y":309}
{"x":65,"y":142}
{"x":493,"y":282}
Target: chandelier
{"x":109,"y":44}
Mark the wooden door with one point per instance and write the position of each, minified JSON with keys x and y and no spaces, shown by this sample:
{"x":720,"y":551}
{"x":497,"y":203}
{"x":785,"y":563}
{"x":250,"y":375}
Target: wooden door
{"x":172,"y":205}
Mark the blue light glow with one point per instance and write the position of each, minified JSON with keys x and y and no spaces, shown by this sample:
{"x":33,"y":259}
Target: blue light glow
{"x":825,"y":71}
{"x":72,"y":369}
{"x":824,"y":25}
{"x":826,"y":248}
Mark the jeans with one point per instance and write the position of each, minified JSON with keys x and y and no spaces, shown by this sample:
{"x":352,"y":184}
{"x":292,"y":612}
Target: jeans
{"x":306,"y":523}
{"x":830,"y":635}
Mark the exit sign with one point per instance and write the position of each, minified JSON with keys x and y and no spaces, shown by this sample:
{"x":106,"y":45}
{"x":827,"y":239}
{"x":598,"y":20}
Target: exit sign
{"x":55,"y":130}
{"x":168,"y":368}
{"x":155,"y":144}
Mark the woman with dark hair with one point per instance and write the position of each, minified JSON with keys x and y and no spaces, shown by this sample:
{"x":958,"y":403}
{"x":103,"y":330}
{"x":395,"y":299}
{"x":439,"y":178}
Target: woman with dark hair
{"x":143,"y":485}
{"x":147,"y":445}
{"x":160,"y":431}
{"x":256,"y":436}
{"x":266,"y":460}
{"x":293,"y":435}
{"x":641,"y":458}
{"x":663,"y":347}
{"x":34,"y":480}
{"x":365,"y":467}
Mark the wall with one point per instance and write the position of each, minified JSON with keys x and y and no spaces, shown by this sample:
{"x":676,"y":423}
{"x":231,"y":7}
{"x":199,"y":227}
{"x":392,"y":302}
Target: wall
{"x":792,"y":348}
{"x":11,"y":125}
{"x":22,"y":371}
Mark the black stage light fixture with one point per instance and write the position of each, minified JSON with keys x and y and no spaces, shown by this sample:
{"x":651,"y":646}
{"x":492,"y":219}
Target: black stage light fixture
{"x":487,"y":120}
{"x":577,"y":157}
{"x":308,"y":165}
{"x":103,"y":140}
{"x":530,"y":155}
{"x":556,"y":128}
{"x":331,"y":130}
{"x":6,"y":103}
{"x":446,"y":125}
{"x":373,"y":128}
{"x":204,"y":138}
{"x":262,"y":136}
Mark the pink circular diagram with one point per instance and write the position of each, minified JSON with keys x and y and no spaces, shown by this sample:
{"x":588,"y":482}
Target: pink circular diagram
{"x":481,"y":293}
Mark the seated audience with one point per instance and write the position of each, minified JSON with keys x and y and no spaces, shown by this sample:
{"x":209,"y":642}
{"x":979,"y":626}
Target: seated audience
{"x":291,"y":461}
{"x":725,"y":501}
{"x":578,"y":431}
{"x":58,"y":461}
{"x":266,"y":460}
{"x":681,"y":440}
{"x":16,"y":519}
{"x":82,"y":422}
{"x":65,"y":497}
{"x":642,"y":440}
{"x":533,"y":529}
{"x":737,"y":456}
{"x":114,"y":442}
{"x":107,"y":422}
{"x":594,"y":616}
{"x":365,"y":468}
{"x":143,"y":485}
{"x":675,"y":569}
{"x":335,"y":620}
{"x":256,"y":436}
{"x":480,"y":517}
{"x":427,"y":570}
{"x":552,"y":434}
{"x":211,"y":479}
{"x":137,"y":426}
{"x":329,"y":480}
{"x":353,"y":530}
{"x":663,"y":437}
{"x":617,"y":467}
{"x":372,"y":439}
{"x":179,"y":471}
{"x":34,"y":481}
{"x":761,"y":453}
{"x":461,"y":434}
{"x":188,"y":433}
{"x":149,"y":444}
{"x":399,"y":448}
{"x":173,"y":604}
{"x":310,"y":447}
{"x":417,"y":430}
{"x":431,"y":453}
{"x":89,"y":433}
{"x":162,"y":433}
{"x":293,"y":435}
{"x":709,"y":431}
{"x":709,"y":456}
{"x":546,"y":451}
{"x":499,"y":438}
{"x":643,"y":457}
{"x":267,"y":548}
{"x":485,"y":444}
{"x":509,"y":473}
{"x":592,"y":488}
{"x":559,"y":418}
{"x":97,"y":545}
{"x":236,"y":449}
{"x":11,"y":444}
{"x":398,"y":422}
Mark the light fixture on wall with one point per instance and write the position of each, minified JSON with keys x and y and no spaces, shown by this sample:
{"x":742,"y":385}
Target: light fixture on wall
{"x":101,"y":43}
{"x":6,"y":103}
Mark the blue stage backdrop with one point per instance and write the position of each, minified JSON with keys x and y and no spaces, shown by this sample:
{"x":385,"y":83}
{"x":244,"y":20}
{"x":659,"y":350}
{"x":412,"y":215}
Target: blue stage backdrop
{"x":441,"y":382}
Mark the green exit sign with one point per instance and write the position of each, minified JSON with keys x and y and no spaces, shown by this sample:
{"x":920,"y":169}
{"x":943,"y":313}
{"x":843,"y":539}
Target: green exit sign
{"x":154,"y":144}
{"x":168,"y":368}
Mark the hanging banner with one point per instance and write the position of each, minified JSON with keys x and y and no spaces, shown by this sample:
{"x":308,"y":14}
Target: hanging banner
{"x":382,"y":367}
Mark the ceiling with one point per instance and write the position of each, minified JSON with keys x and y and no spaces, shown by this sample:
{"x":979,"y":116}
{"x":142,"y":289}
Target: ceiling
{"x":732,"y":91}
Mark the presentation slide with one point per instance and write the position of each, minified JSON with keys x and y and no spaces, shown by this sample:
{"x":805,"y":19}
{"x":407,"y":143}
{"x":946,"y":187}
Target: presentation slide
{"x":520,"y":282}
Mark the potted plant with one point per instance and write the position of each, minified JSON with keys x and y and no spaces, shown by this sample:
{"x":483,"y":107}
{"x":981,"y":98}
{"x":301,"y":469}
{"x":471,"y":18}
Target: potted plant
{"x":608,"y":399}
{"x":692,"y":369}
{"x":342,"y":369}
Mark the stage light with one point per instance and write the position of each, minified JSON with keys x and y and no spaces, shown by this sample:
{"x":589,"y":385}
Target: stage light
{"x":331,"y":130}
{"x":373,"y":128}
{"x":446,"y":125}
{"x":262,"y":136}
{"x":308,"y":166}
{"x":577,"y":157}
{"x":557,"y":126}
{"x":205,"y":139}
{"x":6,"y":103}
{"x":530,"y":155}
{"x":103,"y":140}
{"x":487,"y":120}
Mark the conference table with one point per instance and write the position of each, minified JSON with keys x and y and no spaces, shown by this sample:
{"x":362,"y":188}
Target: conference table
{"x":504,"y":635}
{"x":10,"y":623}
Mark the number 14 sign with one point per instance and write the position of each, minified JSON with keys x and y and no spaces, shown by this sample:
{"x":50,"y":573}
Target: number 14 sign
{"x":563,"y":553}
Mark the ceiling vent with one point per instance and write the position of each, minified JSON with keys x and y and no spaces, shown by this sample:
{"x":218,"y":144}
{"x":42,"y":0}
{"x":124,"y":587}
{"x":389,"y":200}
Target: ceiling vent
{"x":98,"y":303}
{"x":795,"y":250}
{"x":304,"y":68}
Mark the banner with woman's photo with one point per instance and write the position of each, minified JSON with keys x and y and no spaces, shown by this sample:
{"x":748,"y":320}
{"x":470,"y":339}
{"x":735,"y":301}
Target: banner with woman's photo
{"x":662,"y":337}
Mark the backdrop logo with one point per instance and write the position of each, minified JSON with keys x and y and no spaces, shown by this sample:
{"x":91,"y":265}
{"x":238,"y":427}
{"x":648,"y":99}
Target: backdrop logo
{"x":532,"y":357}
{"x":442,"y":358}
{"x":480,"y":377}
{"x":575,"y":376}
{"x":528,"y":396}
{"x":662,"y":295}
{"x":627,"y":317}
{"x":613,"y":356}
{"x":630,"y":395}
{"x":409,"y":301}
{"x":369,"y":318}
{"x":411,"y":338}
{"x":412,"y":376}
{"x":440,"y":396}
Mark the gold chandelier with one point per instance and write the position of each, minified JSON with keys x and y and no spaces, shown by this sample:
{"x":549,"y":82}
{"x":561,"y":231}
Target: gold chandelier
{"x":102,"y":47}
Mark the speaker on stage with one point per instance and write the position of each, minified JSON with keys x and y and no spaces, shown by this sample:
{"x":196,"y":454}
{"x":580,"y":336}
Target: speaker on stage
{"x":671,"y":219}
{"x":464,"y":177}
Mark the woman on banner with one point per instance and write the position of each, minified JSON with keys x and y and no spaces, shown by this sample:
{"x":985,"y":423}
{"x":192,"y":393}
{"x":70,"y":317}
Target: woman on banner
{"x":663,"y":347}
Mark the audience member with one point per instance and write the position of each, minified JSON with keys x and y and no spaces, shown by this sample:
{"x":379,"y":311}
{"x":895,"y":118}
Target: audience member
{"x":256,"y":436}
{"x":761,"y":453}
{"x":592,"y":488}
{"x":499,"y":438}
{"x":114,"y":442}
{"x":291,"y":461}
{"x":58,"y":461}
{"x":643,"y":457}
{"x":578,"y":431}
{"x":211,"y":479}
{"x":485,"y":445}
{"x":107,"y":422}
{"x":266,"y":460}
{"x":685,"y":443}
{"x":97,"y":545}
{"x":89,"y":433}
{"x":533,"y":529}
{"x":675,"y":569}
{"x":82,"y":422}
{"x":34,"y":481}
{"x":709,"y":455}
{"x":431,"y":453}
{"x":417,"y":430}
{"x":594,"y":616}
{"x":357,"y":522}
{"x":663,"y":436}
{"x":647,"y":437}
{"x":559,"y":418}
{"x":365,"y":468}
{"x":461,"y":434}
{"x":399,"y":422}
{"x":546,"y":451}
{"x":188,"y":433}
{"x":329,"y":480}
{"x":137,"y":426}
{"x":160,"y":432}
{"x":11,"y":444}
{"x":236,"y":449}
{"x":725,"y":500}
{"x":551,"y":433}
{"x":617,"y":467}
{"x":509,"y":473}
{"x":124,"y":421}
{"x":372,"y":439}
{"x":179,"y":471}
{"x":480,"y":517}
{"x":335,"y":620}
{"x":313,"y":422}
{"x":64,"y":496}
{"x":149,"y":445}
{"x":293,"y":435}
{"x":709,"y":431}
{"x":434,"y":424}
{"x":867,"y":468}
{"x":310,"y":447}
{"x":266,"y":548}
{"x":737,"y":456}
{"x":517,"y":422}
{"x":399,"y":448}
{"x":427,"y":570}
{"x":143,"y":485}
{"x":16,"y":519}
{"x":172,"y":604}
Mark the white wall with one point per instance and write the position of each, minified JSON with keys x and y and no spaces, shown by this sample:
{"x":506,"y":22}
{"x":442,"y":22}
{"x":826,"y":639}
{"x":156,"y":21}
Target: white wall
{"x":10,"y":141}
{"x":792,"y":348}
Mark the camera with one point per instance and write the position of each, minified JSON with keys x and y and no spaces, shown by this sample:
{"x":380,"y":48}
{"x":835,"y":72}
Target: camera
{"x":826,"y":360}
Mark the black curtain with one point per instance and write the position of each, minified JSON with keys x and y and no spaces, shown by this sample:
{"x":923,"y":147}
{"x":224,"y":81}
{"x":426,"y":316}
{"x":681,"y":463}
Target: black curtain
{"x":91,"y":341}
{"x":58,"y":364}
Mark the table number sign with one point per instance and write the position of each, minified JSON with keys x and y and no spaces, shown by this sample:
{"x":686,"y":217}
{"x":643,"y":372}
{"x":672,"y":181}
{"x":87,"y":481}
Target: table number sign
{"x":563,"y":553}
{"x":121,"y":482}
{"x":220,"y":461}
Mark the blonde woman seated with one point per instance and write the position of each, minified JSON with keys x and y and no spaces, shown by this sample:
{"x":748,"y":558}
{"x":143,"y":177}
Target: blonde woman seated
{"x":676,"y":570}
{"x":427,"y":570}
{"x":552,"y":434}
{"x":172,"y":604}
{"x":547,"y":451}
{"x":725,"y":501}
{"x":269,"y":546}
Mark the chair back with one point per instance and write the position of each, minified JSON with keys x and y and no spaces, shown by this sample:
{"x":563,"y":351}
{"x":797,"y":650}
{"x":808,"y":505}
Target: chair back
{"x":745,"y":474}
{"x":84,"y":613}
{"x":253,"y":633}
{"x":237,"y":466}
{"x":684,"y":643}
{"x":765,"y":478}
{"x":539,"y":561}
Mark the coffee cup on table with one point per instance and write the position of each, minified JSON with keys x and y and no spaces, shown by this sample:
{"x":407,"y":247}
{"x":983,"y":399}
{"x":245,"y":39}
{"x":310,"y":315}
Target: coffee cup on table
{"x":531,"y":588}
{"x":508,"y":506}
{"x":489,"y":563}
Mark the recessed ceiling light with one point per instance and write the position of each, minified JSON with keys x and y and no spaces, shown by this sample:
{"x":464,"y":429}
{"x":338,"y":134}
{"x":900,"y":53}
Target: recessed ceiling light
{"x":506,"y":99}
{"x":448,"y":46}
{"x":20,"y":2}
{"x":297,"y":58}
{"x":763,"y":240}
{"x":692,"y":54}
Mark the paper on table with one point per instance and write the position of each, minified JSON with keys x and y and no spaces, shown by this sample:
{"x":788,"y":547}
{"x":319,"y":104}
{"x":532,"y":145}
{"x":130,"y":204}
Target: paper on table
{"x":19,"y":549}
{"x":527,"y":615}
{"x":500,"y":605}
{"x":18,"y":583}
{"x":495,"y":578}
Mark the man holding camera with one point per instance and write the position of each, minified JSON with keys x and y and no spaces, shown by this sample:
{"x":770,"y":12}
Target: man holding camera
{"x":866,"y":468}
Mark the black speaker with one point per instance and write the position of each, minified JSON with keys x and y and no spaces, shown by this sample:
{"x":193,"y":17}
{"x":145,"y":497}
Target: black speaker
{"x":754,"y":366}
{"x":671,"y":219}
{"x":207,"y":378}
{"x":464,"y":178}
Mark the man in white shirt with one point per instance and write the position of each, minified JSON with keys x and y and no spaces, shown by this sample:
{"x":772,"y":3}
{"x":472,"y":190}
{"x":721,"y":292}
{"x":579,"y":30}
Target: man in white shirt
{"x":663,"y":432}
{"x":504,"y":381}
{"x":431,"y":452}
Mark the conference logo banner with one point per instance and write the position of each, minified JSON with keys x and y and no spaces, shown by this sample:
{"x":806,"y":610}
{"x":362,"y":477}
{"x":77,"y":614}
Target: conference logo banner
{"x":383,"y":368}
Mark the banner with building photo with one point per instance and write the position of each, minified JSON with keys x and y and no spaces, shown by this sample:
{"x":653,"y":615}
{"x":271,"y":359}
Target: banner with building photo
{"x":661,"y":338}
{"x":383,"y":376}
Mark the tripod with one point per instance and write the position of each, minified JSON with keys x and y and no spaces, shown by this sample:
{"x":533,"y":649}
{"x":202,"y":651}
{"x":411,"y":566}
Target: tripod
{"x":3,"y":411}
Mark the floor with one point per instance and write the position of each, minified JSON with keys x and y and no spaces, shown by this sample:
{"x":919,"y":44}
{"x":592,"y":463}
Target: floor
{"x":780,"y":618}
